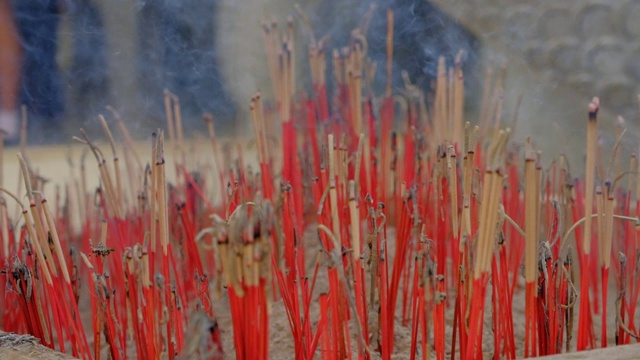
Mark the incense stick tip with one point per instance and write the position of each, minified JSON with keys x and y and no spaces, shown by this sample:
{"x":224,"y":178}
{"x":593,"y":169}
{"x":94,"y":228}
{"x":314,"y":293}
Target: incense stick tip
{"x":594,"y":106}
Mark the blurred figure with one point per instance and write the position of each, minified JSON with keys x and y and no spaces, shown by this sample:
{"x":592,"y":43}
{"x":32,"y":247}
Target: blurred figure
{"x":178,"y":52}
{"x":41,"y":87}
{"x":28,"y":71}
{"x":10,"y":56}
{"x":88,"y":81}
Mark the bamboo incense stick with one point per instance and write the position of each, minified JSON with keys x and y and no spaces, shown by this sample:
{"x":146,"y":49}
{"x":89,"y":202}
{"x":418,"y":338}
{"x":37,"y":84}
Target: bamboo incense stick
{"x":128,"y":140}
{"x":39,"y":225}
{"x":177,"y":115}
{"x":56,"y":240}
{"x":292,"y":50}
{"x":600,"y":224}
{"x":585,"y":329}
{"x":441,"y":115}
{"x":33,"y":238}
{"x":355,"y":220}
{"x":153,"y":196}
{"x":169,"y":113}
{"x":453,"y":187}
{"x":458,"y":101}
{"x":531,"y":212}
{"x":161,"y":188}
{"x":531,"y":247}
{"x":333,"y":194}
{"x":592,"y":130}
{"x":118,"y":191}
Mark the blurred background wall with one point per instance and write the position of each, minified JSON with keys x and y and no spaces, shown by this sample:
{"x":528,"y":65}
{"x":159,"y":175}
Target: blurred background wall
{"x":210,"y":52}
{"x":557,"y":55}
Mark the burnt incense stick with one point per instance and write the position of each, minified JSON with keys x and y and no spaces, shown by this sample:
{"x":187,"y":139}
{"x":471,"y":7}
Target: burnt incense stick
{"x":118,"y":191}
{"x":531,"y":213}
{"x":600,"y":225}
{"x":458,"y":101}
{"x":354,"y":213}
{"x":33,"y":237}
{"x":358,"y":165}
{"x":532,"y":206}
{"x":333,"y":194}
{"x":161,"y":188}
{"x":441,"y":115}
{"x":453,"y":187}
{"x":177,"y":115}
{"x":35,"y":213}
{"x":592,"y":130}
{"x":169,"y":113}
{"x":55,"y":239}
{"x":128,"y":140}
{"x":105,"y":175}
{"x":292,"y":50}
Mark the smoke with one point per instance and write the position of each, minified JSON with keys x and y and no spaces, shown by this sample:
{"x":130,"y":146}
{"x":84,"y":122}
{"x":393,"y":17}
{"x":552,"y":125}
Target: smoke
{"x":422,"y":33}
{"x":180,"y":53}
{"x":210,"y":53}
{"x":126,"y":53}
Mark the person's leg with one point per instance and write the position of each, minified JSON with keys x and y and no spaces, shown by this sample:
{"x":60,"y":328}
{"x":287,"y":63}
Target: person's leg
{"x":10,"y":58}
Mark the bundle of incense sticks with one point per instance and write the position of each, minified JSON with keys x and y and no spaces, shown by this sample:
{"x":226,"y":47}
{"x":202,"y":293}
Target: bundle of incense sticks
{"x":411,"y":227}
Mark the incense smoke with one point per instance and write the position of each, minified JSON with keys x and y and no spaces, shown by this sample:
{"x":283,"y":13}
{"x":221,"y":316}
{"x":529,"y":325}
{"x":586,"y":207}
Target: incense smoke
{"x":210,"y":53}
{"x":422,"y":33}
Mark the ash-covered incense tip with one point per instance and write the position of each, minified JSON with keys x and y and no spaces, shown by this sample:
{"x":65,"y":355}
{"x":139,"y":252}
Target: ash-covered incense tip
{"x":529,"y":151}
{"x":594,"y":106}
{"x":620,"y":121}
{"x":114,"y":111}
{"x":459,"y":55}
